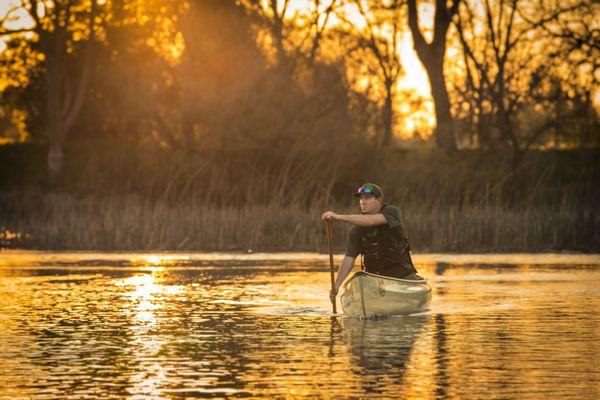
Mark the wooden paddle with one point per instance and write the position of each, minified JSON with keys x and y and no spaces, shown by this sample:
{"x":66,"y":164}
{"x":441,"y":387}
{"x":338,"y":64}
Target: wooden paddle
{"x":330,"y":244}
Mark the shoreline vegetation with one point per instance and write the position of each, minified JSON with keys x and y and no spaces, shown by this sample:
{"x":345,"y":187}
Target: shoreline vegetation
{"x":232,"y":125}
{"x":477,"y":202}
{"x":67,"y":222}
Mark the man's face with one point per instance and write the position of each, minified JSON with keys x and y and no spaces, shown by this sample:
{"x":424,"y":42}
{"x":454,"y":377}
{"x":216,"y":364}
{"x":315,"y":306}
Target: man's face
{"x":369,"y":204}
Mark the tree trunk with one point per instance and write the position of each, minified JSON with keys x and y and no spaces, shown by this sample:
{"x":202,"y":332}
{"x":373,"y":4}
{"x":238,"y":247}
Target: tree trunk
{"x":55,"y":47}
{"x":277,"y":31}
{"x":64,"y":94}
{"x":444,"y":130}
{"x":431,"y":56}
{"x":388,"y":117}
{"x":484,"y":137}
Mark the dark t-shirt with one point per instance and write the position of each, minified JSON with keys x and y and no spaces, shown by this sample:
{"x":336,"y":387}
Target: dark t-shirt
{"x":357,"y":233}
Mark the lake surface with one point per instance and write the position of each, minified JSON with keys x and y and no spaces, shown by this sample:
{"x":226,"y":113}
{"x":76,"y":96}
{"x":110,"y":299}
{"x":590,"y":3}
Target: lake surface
{"x":224,"y":325}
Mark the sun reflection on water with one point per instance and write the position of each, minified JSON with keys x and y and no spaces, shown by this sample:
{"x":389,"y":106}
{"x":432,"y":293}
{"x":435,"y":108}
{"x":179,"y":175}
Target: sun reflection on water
{"x":146,"y":305}
{"x":159,"y":260}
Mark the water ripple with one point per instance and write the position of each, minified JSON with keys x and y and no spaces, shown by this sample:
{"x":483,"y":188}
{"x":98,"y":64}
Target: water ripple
{"x":144,"y":328}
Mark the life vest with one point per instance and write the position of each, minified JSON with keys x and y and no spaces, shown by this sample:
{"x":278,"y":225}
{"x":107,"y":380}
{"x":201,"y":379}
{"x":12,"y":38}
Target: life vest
{"x":383,"y":254}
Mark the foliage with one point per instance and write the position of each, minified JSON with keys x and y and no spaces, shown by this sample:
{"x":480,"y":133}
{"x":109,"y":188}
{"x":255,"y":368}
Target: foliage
{"x":519,"y":84}
{"x":249,"y":105}
{"x":185,"y":74}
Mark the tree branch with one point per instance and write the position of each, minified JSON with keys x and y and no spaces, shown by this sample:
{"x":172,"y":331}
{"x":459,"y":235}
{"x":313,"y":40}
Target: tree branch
{"x":85,"y":73}
{"x":6,"y":17}
{"x":413,"y":22}
{"x":14,"y":31}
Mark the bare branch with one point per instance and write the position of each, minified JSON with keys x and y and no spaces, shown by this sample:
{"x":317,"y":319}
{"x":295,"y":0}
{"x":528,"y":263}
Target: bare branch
{"x":33,"y":12}
{"x":6,"y":17}
{"x":285,"y":7}
{"x":413,"y":23}
{"x":319,"y":28}
{"x":490,"y":23}
{"x":454,"y":8}
{"x":469,"y":52}
{"x":511,"y":20}
{"x":14,"y":31}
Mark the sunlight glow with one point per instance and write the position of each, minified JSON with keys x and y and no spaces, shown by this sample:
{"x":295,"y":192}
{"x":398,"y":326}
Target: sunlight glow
{"x":145,"y":292}
{"x":415,"y":77}
{"x":158,"y":260}
{"x":146,"y":300}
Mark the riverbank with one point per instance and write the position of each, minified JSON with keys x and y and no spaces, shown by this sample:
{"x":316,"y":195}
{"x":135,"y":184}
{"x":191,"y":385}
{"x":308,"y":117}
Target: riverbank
{"x":116,"y":198}
{"x":38,"y":220}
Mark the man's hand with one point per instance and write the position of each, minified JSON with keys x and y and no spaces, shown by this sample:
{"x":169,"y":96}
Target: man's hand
{"x":330,"y":216}
{"x":332,"y":294}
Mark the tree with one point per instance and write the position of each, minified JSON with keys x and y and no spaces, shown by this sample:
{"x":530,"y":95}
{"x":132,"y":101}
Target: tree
{"x":219,"y":66}
{"x":432,"y":57}
{"x":60,"y":29}
{"x":380,"y":37}
{"x":514,"y":86}
{"x":571,"y":29}
{"x":272,"y":16}
{"x":133,"y":80}
{"x":318,"y":21}
{"x":291,"y":33}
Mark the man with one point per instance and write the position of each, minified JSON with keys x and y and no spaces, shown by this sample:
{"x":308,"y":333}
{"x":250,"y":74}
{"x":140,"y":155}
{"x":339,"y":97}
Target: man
{"x":378,"y":235}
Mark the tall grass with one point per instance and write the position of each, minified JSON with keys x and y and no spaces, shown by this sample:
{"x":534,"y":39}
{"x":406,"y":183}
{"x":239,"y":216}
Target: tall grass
{"x":128,"y":222}
{"x":273,"y":202}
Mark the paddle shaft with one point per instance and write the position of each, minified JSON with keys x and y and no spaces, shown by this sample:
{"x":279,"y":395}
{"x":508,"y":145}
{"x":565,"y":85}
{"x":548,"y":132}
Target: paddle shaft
{"x":330,"y":244}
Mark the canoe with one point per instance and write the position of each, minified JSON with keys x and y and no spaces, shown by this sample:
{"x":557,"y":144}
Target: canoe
{"x":368,"y":295}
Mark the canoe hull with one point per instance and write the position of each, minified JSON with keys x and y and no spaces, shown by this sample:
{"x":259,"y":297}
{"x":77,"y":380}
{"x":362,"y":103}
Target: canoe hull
{"x":368,"y":295}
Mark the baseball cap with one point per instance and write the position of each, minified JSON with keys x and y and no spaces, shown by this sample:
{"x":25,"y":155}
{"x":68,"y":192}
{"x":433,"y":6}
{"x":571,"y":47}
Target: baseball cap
{"x":369,"y":188}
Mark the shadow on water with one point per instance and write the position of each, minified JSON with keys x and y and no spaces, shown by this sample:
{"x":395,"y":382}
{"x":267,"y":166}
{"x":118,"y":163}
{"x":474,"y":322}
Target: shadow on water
{"x":382,"y":348}
{"x":441,"y":267}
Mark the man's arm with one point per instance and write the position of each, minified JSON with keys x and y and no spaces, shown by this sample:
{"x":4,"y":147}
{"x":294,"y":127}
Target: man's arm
{"x":357,"y":219}
{"x":345,"y":268}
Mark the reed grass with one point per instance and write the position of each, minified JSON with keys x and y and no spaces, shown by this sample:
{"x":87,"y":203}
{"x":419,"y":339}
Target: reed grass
{"x":129,"y":199}
{"x":129,"y":222}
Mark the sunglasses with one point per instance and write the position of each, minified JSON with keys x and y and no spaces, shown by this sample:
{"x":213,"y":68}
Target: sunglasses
{"x":365,"y":189}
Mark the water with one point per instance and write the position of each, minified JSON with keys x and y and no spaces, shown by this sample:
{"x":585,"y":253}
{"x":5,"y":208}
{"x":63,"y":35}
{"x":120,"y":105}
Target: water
{"x":218,"y":325}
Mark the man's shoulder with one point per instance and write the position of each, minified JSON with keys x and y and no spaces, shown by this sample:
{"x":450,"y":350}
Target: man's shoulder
{"x":392,"y":215}
{"x":390,"y":209}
